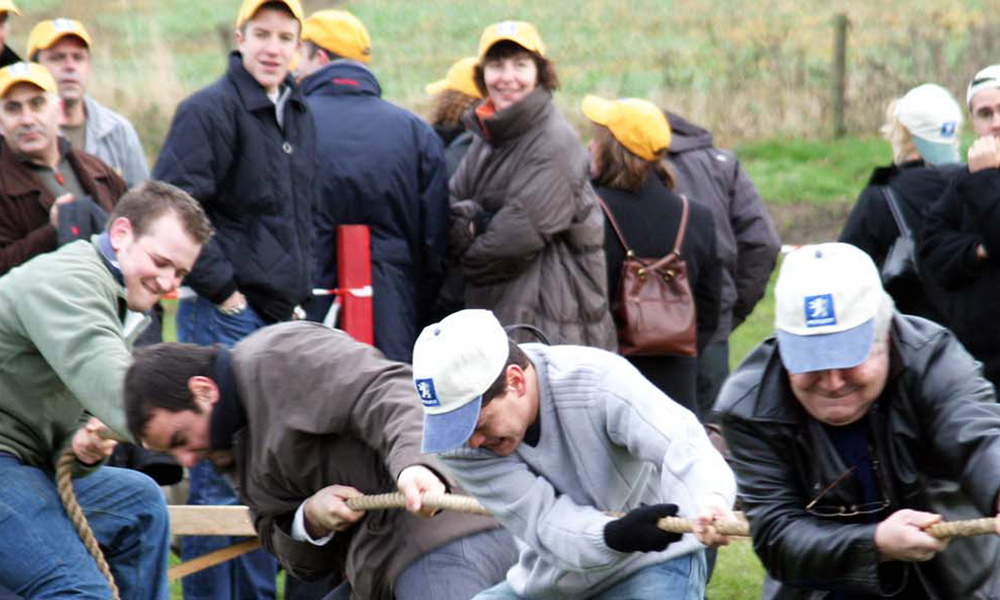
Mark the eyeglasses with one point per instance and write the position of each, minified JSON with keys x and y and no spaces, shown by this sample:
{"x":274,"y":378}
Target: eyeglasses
{"x":849,"y":510}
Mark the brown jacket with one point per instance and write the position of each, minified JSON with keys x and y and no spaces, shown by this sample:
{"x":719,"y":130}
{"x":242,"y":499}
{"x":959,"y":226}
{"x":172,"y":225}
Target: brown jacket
{"x":322,"y":409}
{"x":25,"y":230}
{"x":540,"y":260}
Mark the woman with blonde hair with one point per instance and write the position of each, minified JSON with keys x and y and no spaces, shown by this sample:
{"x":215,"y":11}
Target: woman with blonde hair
{"x":628,"y":165}
{"x":922,"y":128}
{"x":526,"y":225}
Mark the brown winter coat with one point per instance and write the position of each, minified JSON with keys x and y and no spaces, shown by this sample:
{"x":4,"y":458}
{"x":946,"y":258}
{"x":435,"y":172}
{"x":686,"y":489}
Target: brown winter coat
{"x":322,"y":409}
{"x":25,"y":230}
{"x":540,"y":259}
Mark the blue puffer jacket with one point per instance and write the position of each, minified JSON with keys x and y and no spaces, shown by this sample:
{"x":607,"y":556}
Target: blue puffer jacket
{"x":256,"y":181}
{"x":381,"y":166}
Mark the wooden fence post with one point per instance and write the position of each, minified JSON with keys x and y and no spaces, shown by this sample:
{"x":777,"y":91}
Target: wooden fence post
{"x":840,"y":24}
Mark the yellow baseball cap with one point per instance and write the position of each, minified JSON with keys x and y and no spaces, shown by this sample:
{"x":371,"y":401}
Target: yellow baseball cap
{"x":26,"y":72}
{"x":637,"y":124}
{"x":521,"y":33}
{"x":250,"y":8}
{"x":47,"y":33}
{"x":340,"y":32}
{"x":9,"y":6}
{"x":460,"y":78}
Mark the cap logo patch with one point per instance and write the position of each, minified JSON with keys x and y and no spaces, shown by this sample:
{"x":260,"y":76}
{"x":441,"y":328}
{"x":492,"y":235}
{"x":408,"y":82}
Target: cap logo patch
{"x":948,"y":128}
{"x":819,"y":311}
{"x":20,"y":69}
{"x":506,"y":28}
{"x":425,"y":389}
{"x":63,"y":25}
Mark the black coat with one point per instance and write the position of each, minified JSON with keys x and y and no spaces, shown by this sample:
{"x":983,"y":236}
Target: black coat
{"x":965,"y":216}
{"x":8,"y":56}
{"x":871,"y":227}
{"x":256,"y":181}
{"x":381,"y":166}
{"x":649,"y":221}
{"x":935,"y":431}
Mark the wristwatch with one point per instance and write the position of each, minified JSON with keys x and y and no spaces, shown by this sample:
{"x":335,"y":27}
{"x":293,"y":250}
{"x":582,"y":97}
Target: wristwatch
{"x":233,"y":310}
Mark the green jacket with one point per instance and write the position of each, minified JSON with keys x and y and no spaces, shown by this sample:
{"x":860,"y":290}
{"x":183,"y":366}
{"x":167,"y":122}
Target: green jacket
{"x":63,"y":351}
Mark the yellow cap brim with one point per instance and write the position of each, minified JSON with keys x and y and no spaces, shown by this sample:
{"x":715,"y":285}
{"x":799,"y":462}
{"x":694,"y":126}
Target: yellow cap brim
{"x":437,"y":87}
{"x":596,"y":109}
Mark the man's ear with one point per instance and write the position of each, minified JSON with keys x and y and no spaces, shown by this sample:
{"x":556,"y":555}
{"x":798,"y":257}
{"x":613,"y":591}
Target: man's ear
{"x":120,"y":232}
{"x":204,"y":391}
{"x":517,"y":379}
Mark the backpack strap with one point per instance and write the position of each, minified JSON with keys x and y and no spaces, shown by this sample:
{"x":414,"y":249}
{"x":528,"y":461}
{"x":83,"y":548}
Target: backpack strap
{"x":614,"y":225}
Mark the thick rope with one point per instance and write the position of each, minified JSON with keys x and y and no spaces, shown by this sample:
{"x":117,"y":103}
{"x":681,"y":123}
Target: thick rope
{"x":64,"y":484}
{"x":737,"y":528}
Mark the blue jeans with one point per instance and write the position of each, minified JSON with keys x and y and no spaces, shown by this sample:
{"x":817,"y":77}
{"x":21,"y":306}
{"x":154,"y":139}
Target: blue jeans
{"x":42,"y":556}
{"x":681,"y":578}
{"x":250,"y":576}
{"x":455,"y":571}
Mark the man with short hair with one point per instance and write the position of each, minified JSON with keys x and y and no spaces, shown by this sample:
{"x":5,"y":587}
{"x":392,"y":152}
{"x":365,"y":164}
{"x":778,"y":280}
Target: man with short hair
{"x":245,"y":147}
{"x":960,"y":240}
{"x":747,"y":242}
{"x":40,"y":172}
{"x":7,"y":56}
{"x":551,"y":439}
{"x":66,"y":328}
{"x":381,"y":166}
{"x":63,"y":47}
{"x":854,"y":429}
{"x":308,"y":418}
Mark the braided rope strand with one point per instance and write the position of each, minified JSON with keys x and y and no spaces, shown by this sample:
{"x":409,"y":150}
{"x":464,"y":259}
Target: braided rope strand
{"x":64,"y":485}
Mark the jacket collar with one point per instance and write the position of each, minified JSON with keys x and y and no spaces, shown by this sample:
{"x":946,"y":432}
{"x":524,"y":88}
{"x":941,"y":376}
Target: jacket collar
{"x":513,"y":121}
{"x":251,"y":93}
{"x":228,"y":416}
{"x":342,"y":76}
{"x":18,"y":178}
{"x":99,"y":119}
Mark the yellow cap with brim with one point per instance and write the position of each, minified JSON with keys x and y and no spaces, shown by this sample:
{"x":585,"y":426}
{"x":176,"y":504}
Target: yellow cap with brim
{"x":637,"y":124}
{"x":250,"y":8}
{"x":47,"y":33}
{"x":461,"y":78}
{"x":26,"y":72}
{"x":521,"y":33}
{"x":9,"y":6}
{"x":340,"y":32}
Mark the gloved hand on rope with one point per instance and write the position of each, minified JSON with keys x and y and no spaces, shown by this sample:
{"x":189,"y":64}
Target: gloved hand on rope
{"x":89,"y":446}
{"x":414,"y":481}
{"x":637,"y":531}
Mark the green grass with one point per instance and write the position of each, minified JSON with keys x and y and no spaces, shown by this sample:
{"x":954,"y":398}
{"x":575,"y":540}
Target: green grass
{"x":738,"y":573}
{"x":810,"y":170}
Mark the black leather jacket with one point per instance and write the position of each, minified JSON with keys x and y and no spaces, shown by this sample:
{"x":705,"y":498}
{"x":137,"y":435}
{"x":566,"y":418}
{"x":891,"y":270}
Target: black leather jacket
{"x":935,"y":432}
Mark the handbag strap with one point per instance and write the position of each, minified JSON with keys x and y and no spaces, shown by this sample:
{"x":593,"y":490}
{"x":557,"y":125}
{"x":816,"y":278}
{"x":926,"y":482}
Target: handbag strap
{"x":897,"y":215}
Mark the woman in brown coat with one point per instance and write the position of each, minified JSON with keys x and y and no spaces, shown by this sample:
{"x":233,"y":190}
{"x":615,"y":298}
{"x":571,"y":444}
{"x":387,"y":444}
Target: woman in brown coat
{"x":527,"y":229}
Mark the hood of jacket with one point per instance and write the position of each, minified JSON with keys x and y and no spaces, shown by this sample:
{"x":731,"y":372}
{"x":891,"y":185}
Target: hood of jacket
{"x":686,"y":135}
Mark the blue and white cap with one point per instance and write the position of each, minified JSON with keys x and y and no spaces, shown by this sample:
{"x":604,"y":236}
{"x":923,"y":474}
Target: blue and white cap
{"x":934,"y":118}
{"x":826,"y":298}
{"x":454,"y":362}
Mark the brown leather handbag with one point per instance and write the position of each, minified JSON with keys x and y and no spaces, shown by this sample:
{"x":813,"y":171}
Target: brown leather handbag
{"x":654,"y":311}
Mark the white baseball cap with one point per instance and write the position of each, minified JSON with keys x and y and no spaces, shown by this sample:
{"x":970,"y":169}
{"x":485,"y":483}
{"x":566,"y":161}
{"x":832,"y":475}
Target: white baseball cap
{"x":826,"y":298}
{"x":985,"y":79}
{"x":454,"y":362}
{"x":934,"y":119}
